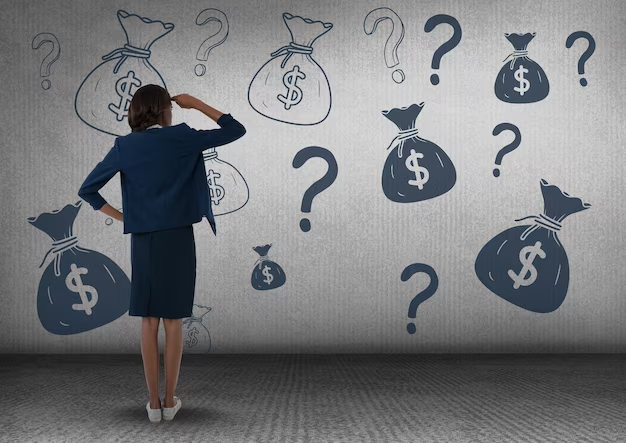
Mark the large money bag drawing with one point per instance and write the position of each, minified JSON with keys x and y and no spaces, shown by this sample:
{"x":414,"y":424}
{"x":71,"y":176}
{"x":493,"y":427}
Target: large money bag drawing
{"x":81,"y":289}
{"x":527,"y":265}
{"x":416,"y":169}
{"x":196,"y":337}
{"x":521,"y":79}
{"x":291,"y":87}
{"x":266,"y":273}
{"x":103,"y":98}
{"x":228,"y":189}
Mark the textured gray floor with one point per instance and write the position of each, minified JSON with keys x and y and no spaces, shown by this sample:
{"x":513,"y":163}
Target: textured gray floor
{"x":320,"y":398}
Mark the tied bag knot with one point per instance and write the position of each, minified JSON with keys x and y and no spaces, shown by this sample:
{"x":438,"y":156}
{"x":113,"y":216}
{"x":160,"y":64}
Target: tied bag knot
{"x":514,"y":56}
{"x":125,"y":52}
{"x":58,"y":247}
{"x":400,"y":138}
{"x":289,"y":50}
{"x":540,"y":221}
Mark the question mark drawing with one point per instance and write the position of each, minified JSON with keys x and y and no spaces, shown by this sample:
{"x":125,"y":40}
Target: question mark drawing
{"x":53,"y":55}
{"x":431,"y":24}
{"x":508,"y":148}
{"x":583,"y":58}
{"x":395,"y":38}
{"x":320,"y":185}
{"x":408,"y":272}
{"x":214,"y":40}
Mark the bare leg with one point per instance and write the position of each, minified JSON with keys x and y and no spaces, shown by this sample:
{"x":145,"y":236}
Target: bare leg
{"x":173,"y":356}
{"x":150,"y":355}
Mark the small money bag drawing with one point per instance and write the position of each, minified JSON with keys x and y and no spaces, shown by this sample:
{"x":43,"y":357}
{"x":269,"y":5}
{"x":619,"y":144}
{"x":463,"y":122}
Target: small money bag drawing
{"x":103,"y":98}
{"x":196,"y":337}
{"x":228,"y":189}
{"x":527,"y":265}
{"x":521,"y":79}
{"x":81,"y":289}
{"x":416,"y":169}
{"x":291,"y":87}
{"x":266,"y":273}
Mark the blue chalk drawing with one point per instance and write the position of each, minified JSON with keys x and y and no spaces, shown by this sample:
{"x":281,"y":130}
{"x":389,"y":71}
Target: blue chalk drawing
{"x":196,"y":336}
{"x":527,"y":265}
{"x":214,"y":40}
{"x":416,"y":169}
{"x":508,"y":148}
{"x":291,"y":87}
{"x":591,"y":47}
{"x":323,"y":183}
{"x":448,"y":46}
{"x":430,"y":290}
{"x":103,"y":97}
{"x":80,"y":289}
{"x":521,"y":79}
{"x":370,"y":24}
{"x":266,"y":274}
{"x":51,"y":57}
{"x":228,"y":189}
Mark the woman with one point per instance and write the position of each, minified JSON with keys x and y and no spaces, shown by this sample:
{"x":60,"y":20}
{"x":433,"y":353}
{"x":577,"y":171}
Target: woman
{"x":164,"y":192}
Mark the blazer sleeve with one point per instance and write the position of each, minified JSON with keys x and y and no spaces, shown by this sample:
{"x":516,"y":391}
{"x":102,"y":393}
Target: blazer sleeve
{"x":100,"y":176}
{"x":229,"y":131}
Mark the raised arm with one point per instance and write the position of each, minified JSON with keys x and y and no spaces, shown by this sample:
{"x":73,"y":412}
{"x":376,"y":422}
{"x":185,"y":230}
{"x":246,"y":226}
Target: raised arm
{"x":229,"y":131}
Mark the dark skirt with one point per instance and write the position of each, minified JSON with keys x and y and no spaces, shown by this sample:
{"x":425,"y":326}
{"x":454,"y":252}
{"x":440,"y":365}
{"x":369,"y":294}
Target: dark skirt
{"x":163,"y":279}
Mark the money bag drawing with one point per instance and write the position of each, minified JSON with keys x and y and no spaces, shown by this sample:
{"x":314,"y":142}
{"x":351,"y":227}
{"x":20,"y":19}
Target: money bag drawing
{"x":196,"y":337}
{"x":266,"y":273}
{"x":81,"y":289}
{"x":228,"y":189}
{"x":521,"y":79}
{"x":416,"y":169}
{"x":527,"y":265}
{"x":103,"y":98}
{"x":291,"y":87}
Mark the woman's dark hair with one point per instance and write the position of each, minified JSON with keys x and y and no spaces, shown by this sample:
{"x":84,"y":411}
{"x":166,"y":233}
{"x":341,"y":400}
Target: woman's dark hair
{"x":147,"y":106}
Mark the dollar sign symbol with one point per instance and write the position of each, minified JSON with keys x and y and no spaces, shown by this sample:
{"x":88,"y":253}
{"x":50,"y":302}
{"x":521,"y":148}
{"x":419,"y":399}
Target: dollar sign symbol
{"x":421,"y":173}
{"x":526,"y":257}
{"x":123,"y":88}
{"x":524,"y":84}
{"x":192,"y":335}
{"x":216,"y":191}
{"x":268,"y":277}
{"x":75,"y":284}
{"x":294,"y":93}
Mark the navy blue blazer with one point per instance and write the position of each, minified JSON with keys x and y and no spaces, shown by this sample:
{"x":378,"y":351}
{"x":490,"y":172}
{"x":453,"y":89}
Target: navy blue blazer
{"x":162,"y":175}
